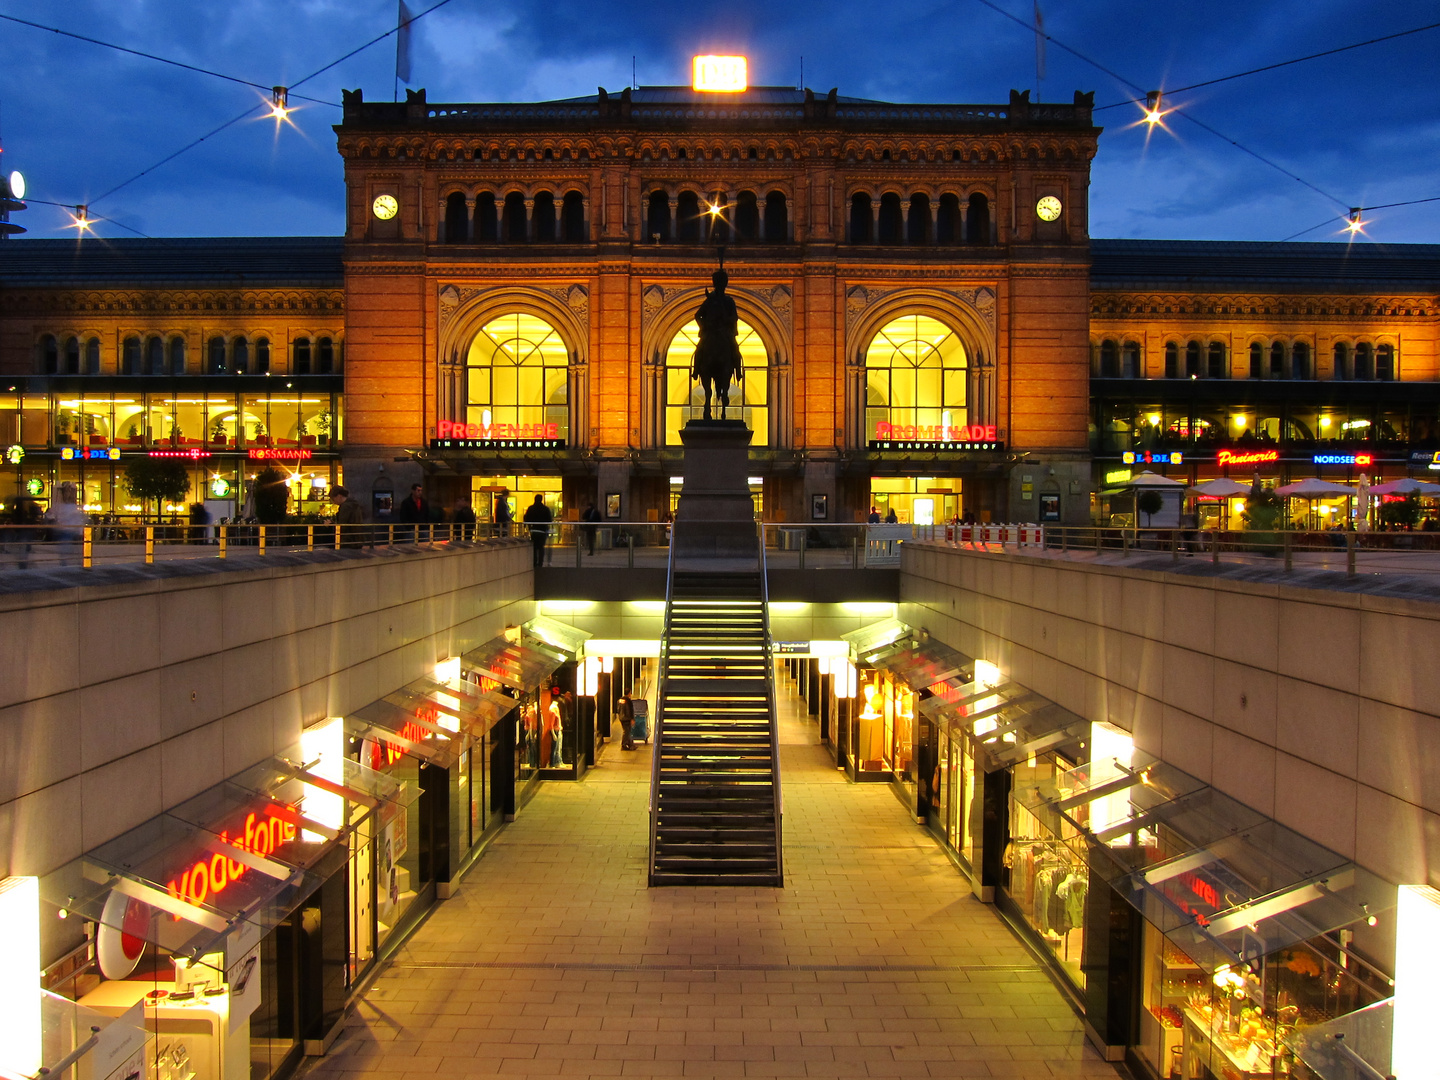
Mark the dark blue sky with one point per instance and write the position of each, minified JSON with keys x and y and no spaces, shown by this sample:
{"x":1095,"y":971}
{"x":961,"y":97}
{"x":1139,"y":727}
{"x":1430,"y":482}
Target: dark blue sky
{"x":1363,"y":126}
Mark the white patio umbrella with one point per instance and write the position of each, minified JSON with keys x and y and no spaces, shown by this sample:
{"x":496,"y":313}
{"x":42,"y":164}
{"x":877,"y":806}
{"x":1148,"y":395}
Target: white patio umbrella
{"x":1313,"y":488}
{"x":1406,"y":486}
{"x":1151,"y":479}
{"x":1223,"y":488}
{"x":1362,"y":493}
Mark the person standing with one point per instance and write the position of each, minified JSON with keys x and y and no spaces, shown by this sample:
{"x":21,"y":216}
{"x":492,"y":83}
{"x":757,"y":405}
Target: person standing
{"x":591,"y":518}
{"x":538,"y":517}
{"x":67,"y":525}
{"x":874,"y":518}
{"x":502,"y":515}
{"x":625,"y":713}
{"x":890,"y":518}
{"x":464,"y":517}
{"x":414,"y":511}
{"x":349,"y":518}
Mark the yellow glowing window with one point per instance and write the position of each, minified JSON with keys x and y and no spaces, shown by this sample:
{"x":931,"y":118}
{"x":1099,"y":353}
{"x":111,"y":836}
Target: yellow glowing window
{"x":516,"y":374}
{"x":685,"y":397}
{"x":719,"y":74}
{"x":915,"y":374}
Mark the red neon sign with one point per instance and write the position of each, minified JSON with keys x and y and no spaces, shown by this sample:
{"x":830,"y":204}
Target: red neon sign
{"x":212,"y":876}
{"x":256,"y":453}
{"x":1246,"y":457}
{"x":936,"y":433}
{"x":193,"y":455}
{"x":454,"y":429}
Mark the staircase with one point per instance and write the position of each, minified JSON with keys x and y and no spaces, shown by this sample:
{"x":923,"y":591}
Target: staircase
{"x":715,"y":786}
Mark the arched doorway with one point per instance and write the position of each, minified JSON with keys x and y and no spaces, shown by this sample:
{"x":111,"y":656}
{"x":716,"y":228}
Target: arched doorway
{"x":685,"y":397}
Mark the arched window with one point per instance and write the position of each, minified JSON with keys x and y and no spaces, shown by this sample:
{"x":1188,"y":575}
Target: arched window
{"x":685,"y":397}
{"x":130,"y":356}
{"x":1342,"y":361}
{"x":300,"y":356}
{"x":72,"y":356}
{"x":240,"y":356}
{"x":1300,"y":361}
{"x":687,"y":218}
{"x":457,"y":219}
{"x":325,"y":356}
{"x":215,"y":356}
{"x":544,"y":217}
{"x":1277,"y":361}
{"x":1385,"y":363}
{"x":48,"y":358}
{"x":572,"y":218}
{"x":1215,"y":361}
{"x":1109,"y":359}
{"x":177,"y":356}
{"x":486,"y":228}
{"x":1172,"y":360}
{"x":515,"y":232}
{"x":947,"y":220}
{"x":1130,"y":360}
{"x":517,"y":378}
{"x":916,"y":374}
{"x":777,"y":220}
{"x":892,"y":219}
{"x":917,"y":227}
{"x":747,"y":217}
{"x":860,"y":218}
{"x":977,"y":220}
{"x":262,"y":356}
{"x":154,"y":356}
{"x":657,"y":217}
{"x":1257,"y":360}
{"x":1192,"y":360}
{"x":1364,"y":361}
{"x":92,"y":356}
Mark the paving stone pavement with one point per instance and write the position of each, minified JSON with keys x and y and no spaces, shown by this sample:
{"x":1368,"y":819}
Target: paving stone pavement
{"x":555,"y":959}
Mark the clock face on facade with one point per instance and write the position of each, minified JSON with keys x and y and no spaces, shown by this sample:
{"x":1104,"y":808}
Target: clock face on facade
{"x":1048,"y":208}
{"x":385,"y":207}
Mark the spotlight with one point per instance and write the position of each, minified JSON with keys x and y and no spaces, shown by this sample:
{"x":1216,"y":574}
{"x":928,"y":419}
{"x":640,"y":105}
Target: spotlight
{"x":280,"y":102}
{"x":81,"y":219}
{"x":1153,"y":112}
{"x":1355,"y":225}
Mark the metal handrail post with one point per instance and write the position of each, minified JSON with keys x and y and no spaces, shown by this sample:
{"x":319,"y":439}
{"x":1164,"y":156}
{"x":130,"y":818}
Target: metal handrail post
{"x":1289,"y":554}
{"x":802,"y":550}
{"x":1350,"y":554}
{"x":1215,"y":547}
{"x":773,"y":710}
{"x":338,"y":527}
{"x":149,"y":545}
{"x":262,"y":539}
{"x":630,"y":543}
{"x":87,"y":550}
{"x":223,"y":534}
{"x":391,"y":542}
{"x":1174,"y":545}
{"x":309,"y":537}
{"x":577,"y":549}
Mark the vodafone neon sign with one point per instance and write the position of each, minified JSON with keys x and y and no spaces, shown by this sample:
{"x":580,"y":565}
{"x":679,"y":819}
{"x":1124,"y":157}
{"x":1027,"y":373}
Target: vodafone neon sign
{"x":212,"y":876}
{"x":1246,"y":457}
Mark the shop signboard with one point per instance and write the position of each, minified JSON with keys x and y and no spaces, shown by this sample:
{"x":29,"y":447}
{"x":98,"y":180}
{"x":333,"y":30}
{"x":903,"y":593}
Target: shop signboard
{"x":90,"y":453}
{"x":1246,"y":457}
{"x":936,"y":438}
{"x":283,"y":453}
{"x":189,"y":455}
{"x":1343,"y":459}
{"x":791,"y":648}
{"x":455,"y":435}
{"x":1153,"y":457}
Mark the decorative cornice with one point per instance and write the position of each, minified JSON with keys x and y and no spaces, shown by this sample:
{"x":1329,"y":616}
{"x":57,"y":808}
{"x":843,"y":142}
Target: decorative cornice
{"x":309,"y":302}
{"x":1211,"y":305}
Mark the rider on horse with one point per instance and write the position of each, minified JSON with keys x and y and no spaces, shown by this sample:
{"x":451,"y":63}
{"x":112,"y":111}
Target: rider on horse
{"x":717,"y":354}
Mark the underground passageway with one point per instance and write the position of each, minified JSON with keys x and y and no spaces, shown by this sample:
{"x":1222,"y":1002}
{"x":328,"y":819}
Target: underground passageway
{"x":555,"y":958}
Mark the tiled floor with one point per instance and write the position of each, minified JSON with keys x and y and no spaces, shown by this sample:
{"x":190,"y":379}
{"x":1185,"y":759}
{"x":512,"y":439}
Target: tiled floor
{"x":555,"y":959}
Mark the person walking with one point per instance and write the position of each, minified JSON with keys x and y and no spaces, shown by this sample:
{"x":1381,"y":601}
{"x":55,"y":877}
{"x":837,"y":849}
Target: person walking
{"x":464,"y":517}
{"x":874,"y":518}
{"x":502,"y":515}
{"x":625,"y":713}
{"x":349,"y":518}
{"x":67,"y":525}
{"x":591,"y":519}
{"x":538,"y":517}
{"x":414,"y":512}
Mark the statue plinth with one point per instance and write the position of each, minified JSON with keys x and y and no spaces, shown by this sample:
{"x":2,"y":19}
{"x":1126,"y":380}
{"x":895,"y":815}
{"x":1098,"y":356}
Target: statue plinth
{"x":716,"y":515}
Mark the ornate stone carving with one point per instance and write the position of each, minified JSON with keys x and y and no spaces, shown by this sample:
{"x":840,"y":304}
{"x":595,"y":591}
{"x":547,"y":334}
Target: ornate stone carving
{"x":780,"y":301}
{"x":653,"y":298}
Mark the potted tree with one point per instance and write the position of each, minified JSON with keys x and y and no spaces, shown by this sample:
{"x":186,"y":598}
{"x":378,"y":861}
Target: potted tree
{"x":156,"y":478}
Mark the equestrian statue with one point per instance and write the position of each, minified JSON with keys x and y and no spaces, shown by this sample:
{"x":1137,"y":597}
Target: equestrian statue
{"x":717,"y":354}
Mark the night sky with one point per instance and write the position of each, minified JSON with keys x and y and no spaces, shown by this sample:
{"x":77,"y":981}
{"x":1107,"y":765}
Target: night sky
{"x":1363,"y":126}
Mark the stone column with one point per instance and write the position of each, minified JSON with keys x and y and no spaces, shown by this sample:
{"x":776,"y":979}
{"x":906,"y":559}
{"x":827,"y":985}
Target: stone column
{"x":470,"y":220}
{"x":530,"y":220}
{"x":874,"y":220}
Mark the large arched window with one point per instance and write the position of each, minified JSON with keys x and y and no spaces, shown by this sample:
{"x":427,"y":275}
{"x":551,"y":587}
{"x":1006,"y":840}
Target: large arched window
{"x":517,"y":379}
{"x":915,"y":375}
{"x":685,"y":397}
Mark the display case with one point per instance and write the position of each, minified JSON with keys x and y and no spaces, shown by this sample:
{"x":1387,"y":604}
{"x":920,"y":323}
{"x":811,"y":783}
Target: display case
{"x":1169,"y":982}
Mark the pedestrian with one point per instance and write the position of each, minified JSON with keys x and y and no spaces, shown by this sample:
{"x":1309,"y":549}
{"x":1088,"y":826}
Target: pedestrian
{"x":414,"y":511}
{"x":349,"y":518}
{"x":67,"y":525}
{"x":502,"y":515}
{"x":538,"y":517}
{"x":464,"y":517}
{"x":969,"y":518}
{"x":890,"y":518}
{"x":199,"y":523}
{"x":591,"y":518}
{"x":874,"y":518}
{"x":625,"y":713}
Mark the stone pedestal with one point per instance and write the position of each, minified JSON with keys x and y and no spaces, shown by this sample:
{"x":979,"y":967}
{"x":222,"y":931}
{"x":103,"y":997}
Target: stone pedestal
{"x":715,"y":516}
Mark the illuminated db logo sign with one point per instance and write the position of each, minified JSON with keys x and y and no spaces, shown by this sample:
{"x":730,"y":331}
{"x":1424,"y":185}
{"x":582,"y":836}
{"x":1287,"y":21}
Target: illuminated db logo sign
{"x":719,"y":74}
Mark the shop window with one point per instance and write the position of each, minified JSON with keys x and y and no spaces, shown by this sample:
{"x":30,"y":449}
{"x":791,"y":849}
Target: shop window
{"x":747,"y":217}
{"x":1300,"y":361}
{"x":1192,"y":360}
{"x":154,"y":356}
{"x":514,"y":214}
{"x":657,"y":217}
{"x":300,"y":356}
{"x":262,"y":356}
{"x":92,"y":356}
{"x":917,"y":228}
{"x":1172,"y":360}
{"x":486,"y":224}
{"x":860,"y":218}
{"x":518,"y":379}
{"x":48,"y":356}
{"x":977,"y":220}
{"x":687,"y":218}
{"x":685,"y":397}
{"x":177,"y":356}
{"x":947,"y":219}
{"x":1130,"y":360}
{"x":1109,"y":359}
{"x":325,"y":356}
{"x":1215,"y":361}
{"x":543,"y":217}
{"x":130,"y":356}
{"x":72,"y":356}
{"x":457,"y":220}
{"x":1385,"y":363}
{"x":572,"y":218}
{"x":777,"y":223}
{"x":892,"y":219}
{"x":916,"y":373}
{"x":1364,"y":361}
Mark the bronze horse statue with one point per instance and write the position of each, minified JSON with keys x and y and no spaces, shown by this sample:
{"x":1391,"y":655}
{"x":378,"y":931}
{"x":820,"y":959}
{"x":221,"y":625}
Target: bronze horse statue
{"x":717,"y":354}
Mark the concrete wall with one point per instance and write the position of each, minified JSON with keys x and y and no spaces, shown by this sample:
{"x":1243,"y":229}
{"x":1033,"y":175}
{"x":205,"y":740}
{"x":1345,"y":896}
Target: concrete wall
{"x":120,"y":700}
{"x":1317,"y":707}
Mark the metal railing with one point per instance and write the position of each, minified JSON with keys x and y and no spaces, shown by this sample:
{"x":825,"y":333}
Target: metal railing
{"x":661,"y":687}
{"x":770,"y":706}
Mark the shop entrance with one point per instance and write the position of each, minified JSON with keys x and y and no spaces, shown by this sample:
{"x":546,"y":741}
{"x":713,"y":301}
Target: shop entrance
{"x":518,"y":492}
{"x":916,"y":500}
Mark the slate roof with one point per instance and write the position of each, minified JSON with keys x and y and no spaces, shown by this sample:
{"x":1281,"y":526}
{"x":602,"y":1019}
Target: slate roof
{"x":1131,"y":263}
{"x":233,"y":260}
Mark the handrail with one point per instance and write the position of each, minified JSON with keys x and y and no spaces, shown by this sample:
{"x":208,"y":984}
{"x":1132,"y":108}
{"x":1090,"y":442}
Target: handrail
{"x":771,"y":709}
{"x":661,"y":685}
